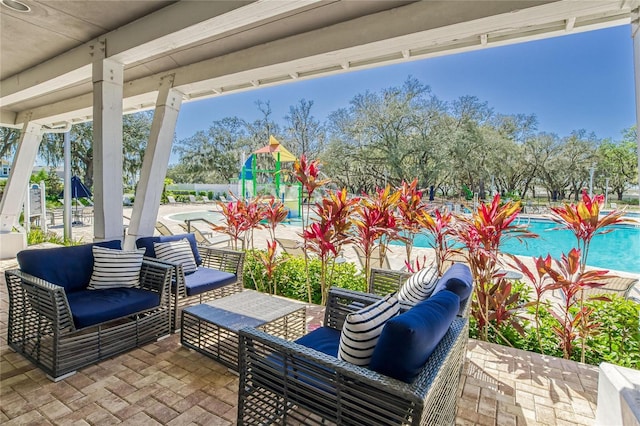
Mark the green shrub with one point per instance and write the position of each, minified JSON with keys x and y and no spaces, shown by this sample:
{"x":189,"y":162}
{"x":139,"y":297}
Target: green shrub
{"x":37,"y":236}
{"x":290,"y":276}
{"x":617,"y":342}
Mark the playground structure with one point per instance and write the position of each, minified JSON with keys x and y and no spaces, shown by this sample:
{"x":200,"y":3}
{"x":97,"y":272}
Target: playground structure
{"x":255,"y":181}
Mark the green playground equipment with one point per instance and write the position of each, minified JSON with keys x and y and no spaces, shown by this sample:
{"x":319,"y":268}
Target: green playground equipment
{"x":270,"y":181}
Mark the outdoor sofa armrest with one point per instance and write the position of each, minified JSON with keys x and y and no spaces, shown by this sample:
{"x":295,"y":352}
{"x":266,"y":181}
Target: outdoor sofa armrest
{"x":385,"y":281}
{"x":156,"y":276}
{"x":27,"y":291}
{"x":277,"y":375}
{"x":226,"y":260}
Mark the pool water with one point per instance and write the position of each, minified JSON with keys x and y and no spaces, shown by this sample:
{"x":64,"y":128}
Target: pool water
{"x":618,"y":250}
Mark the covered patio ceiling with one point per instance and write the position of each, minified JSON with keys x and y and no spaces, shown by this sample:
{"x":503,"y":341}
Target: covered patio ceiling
{"x":213,"y":48}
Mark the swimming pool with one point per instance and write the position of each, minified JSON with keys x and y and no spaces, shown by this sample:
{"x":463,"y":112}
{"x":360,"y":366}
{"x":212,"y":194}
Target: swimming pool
{"x":209,"y":215}
{"x":618,"y":250}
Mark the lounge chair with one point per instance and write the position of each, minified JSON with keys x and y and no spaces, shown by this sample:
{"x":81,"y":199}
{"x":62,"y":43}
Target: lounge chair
{"x":291,"y":247}
{"x":620,"y":286}
{"x":172,"y":200}
{"x":193,"y":199}
{"x":163,"y":229}
{"x":206,"y":239}
{"x":206,"y":199}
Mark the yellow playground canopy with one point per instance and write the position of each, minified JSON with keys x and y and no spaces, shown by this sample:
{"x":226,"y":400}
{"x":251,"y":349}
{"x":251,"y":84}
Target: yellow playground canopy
{"x":277,"y":150}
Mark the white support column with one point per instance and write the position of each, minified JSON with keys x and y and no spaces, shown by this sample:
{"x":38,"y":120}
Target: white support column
{"x":635,"y":33}
{"x":107,"y":147}
{"x":155,"y":162}
{"x":15,"y":190}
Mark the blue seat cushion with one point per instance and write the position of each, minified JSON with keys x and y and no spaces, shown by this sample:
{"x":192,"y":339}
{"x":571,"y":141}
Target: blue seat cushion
{"x":90,"y":307}
{"x":323,"y":339}
{"x":206,"y":279}
{"x":69,"y":267}
{"x":147,"y":244}
{"x":458,"y":280}
{"x":409,"y":339}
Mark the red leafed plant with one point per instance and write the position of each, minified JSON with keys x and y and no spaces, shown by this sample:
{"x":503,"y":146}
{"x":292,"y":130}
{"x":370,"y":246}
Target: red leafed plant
{"x":584,"y":220}
{"x":332,"y":230}
{"x":440,"y":225}
{"x":410,"y":207}
{"x":234,"y":222}
{"x":275,"y":212}
{"x":270,"y":261}
{"x":307,"y":172}
{"x":375,"y":223}
{"x":482,"y":234}
{"x":569,"y":278}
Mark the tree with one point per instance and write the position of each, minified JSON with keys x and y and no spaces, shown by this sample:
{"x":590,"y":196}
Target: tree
{"x":578,"y":156}
{"x":136,"y":129}
{"x":214,"y":155}
{"x":8,"y":141}
{"x":619,"y":163}
{"x":306,"y":134}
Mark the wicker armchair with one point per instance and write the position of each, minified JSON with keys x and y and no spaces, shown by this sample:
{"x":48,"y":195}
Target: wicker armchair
{"x":41,"y":325}
{"x":211,"y":285}
{"x":283,"y":382}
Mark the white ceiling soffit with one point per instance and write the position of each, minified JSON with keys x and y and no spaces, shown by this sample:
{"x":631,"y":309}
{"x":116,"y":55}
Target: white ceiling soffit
{"x":408,"y":32}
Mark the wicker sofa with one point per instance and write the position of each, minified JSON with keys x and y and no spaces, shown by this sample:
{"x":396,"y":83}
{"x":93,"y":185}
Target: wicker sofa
{"x":219,"y":273}
{"x":300,"y":382}
{"x":61,"y":326}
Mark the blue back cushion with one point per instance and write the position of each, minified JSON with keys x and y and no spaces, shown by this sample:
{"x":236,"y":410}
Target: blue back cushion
{"x":69,"y":267}
{"x":409,"y":339}
{"x":147,"y":243}
{"x":458,"y":280}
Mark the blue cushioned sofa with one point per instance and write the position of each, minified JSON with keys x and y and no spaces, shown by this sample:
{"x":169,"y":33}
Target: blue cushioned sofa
{"x":60,"y":325}
{"x":412,"y":379}
{"x":219,"y":273}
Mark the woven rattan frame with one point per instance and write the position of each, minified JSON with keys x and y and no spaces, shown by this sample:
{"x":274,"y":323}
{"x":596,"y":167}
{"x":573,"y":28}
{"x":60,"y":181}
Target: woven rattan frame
{"x":226,"y":260}
{"x":385,"y":281}
{"x":282,"y":382}
{"x":41,"y":326}
{"x":206,"y":335}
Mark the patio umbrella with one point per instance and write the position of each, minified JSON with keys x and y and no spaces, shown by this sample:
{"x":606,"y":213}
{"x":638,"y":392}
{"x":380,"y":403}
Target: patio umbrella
{"x":78,"y":190}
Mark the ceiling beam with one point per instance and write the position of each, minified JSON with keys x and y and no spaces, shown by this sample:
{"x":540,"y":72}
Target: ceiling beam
{"x":172,"y":27}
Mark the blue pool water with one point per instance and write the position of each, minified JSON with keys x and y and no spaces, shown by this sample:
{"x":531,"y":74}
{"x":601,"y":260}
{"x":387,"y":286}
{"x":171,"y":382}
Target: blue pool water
{"x":618,"y":250}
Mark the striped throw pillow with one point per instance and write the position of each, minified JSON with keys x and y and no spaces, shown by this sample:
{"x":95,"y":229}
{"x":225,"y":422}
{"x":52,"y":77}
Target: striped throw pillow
{"x":419,"y":286}
{"x":177,"y":252}
{"x":362,"y":329}
{"x":115,"y":268}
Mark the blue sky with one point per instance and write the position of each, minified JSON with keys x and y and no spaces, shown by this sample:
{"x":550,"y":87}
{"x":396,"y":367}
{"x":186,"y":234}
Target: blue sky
{"x":579,"y":81}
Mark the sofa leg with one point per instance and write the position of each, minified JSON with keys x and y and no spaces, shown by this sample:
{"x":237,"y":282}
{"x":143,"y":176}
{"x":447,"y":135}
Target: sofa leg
{"x":64,"y":376}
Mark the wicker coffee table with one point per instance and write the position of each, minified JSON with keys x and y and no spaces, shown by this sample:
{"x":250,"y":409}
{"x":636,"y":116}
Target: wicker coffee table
{"x":212,"y":328}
